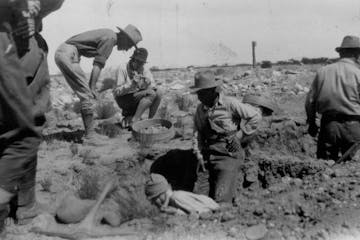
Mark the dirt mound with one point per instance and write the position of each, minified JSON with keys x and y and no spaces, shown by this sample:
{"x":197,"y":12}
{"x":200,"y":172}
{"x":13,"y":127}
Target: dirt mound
{"x":287,"y":136}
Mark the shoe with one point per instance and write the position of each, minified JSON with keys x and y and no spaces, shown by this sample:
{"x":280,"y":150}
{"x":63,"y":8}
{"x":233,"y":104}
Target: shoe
{"x":3,"y":215}
{"x":24,"y":215}
{"x":95,"y":140}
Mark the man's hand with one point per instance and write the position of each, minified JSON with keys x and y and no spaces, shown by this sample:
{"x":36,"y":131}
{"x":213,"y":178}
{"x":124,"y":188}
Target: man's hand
{"x":34,"y":7}
{"x":234,"y":142}
{"x":313,"y":129}
{"x":139,"y":95}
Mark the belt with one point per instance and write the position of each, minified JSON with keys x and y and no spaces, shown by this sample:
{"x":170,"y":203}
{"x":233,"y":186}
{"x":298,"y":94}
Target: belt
{"x":339,"y":117}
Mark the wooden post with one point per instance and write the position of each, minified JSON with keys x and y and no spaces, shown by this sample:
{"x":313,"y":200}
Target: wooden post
{"x":253,"y":44}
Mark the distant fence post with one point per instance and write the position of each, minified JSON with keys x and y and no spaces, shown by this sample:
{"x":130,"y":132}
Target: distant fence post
{"x":253,"y":45}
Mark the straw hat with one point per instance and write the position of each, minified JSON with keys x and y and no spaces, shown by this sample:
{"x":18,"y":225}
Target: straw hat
{"x":349,"y":42}
{"x":260,"y":100}
{"x":204,"y":80}
{"x":133,"y":33}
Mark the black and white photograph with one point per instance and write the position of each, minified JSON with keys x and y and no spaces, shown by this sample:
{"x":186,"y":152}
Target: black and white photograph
{"x":180,"y":119}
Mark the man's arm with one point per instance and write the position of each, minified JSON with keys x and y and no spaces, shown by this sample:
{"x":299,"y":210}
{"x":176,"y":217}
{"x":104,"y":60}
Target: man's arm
{"x":250,"y":118}
{"x":95,"y":73}
{"x":310,"y":102}
{"x":124,"y":84}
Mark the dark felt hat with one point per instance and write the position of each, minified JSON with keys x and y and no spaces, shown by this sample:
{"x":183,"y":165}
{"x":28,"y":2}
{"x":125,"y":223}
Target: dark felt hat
{"x":140,"y":54}
{"x":204,"y":80}
{"x":349,"y":42}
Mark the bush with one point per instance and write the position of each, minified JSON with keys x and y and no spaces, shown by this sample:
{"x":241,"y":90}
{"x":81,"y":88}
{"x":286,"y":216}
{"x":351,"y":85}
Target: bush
{"x":46,"y":184}
{"x":105,"y":110}
{"x":185,"y":101}
{"x":89,"y":185}
{"x":266,"y":64}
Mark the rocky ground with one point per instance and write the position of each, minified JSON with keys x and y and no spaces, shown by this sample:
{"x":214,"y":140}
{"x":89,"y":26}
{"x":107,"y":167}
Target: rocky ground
{"x":283,"y":193}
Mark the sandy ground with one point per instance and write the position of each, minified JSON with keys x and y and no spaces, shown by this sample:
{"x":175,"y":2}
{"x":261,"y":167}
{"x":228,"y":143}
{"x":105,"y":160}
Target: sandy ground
{"x":290,"y":195}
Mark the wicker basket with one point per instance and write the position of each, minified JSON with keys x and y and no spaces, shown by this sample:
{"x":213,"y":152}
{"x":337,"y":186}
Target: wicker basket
{"x":151,"y":138}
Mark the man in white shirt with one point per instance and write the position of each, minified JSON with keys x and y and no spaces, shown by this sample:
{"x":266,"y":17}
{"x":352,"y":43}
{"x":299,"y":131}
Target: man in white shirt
{"x":135,"y":91}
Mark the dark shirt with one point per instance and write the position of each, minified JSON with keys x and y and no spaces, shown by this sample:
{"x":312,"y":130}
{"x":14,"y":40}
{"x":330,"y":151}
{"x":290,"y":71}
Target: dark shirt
{"x":95,"y":43}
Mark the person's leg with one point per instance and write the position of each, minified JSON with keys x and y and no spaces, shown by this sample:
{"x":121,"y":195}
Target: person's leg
{"x":328,"y":141}
{"x":128,"y":104}
{"x":67,"y":59}
{"x":350,"y":134}
{"x":223,"y":175}
{"x":144,"y":104}
{"x":155,"y":104}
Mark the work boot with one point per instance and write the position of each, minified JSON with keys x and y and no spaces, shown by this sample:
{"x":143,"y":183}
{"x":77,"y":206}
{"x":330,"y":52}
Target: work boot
{"x":92,"y":138}
{"x":4,"y":212}
{"x":25,"y":214}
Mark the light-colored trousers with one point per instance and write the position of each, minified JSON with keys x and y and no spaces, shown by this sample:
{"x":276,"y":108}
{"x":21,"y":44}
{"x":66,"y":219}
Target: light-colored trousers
{"x":67,"y":58}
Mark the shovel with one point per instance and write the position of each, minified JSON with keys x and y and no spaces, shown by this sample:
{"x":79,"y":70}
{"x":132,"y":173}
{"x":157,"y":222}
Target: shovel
{"x":351,"y":151}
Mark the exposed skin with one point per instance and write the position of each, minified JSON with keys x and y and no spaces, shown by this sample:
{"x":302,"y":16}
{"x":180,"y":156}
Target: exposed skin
{"x":123,"y":43}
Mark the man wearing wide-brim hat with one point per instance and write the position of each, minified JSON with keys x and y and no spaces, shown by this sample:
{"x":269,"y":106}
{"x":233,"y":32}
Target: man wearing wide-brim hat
{"x":97,"y":44}
{"x":221,"y":122}
{"x":134,"y":89}
{"x":334,"y":94}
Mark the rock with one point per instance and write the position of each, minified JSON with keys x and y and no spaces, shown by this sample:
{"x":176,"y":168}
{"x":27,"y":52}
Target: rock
{"x":256,"y":232}
{"x":73,"y":209}
{"x":291,"y":72}
{"x":177,"y":86}
{"x":232,"y":232}
{"x":227,"y":216}
{"x":112,"y":218}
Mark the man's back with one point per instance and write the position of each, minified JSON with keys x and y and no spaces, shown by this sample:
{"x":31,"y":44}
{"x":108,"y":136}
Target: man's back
{"x":337,"y":88}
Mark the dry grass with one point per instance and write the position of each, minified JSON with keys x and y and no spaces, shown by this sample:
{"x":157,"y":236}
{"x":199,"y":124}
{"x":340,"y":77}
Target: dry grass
{"x":46,"y":184}
{"x":185,"y":101}
{"x":163,"y":112}
{"x":89,"y":186}
{"x":105,"y":110}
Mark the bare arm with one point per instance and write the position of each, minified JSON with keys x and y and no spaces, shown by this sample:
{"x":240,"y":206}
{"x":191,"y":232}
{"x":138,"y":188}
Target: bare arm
{"x":95,"y":73}
{"x":310,"y":103}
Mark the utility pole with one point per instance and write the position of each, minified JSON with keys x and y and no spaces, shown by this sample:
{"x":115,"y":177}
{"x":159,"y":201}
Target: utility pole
{"x":253,"y":45}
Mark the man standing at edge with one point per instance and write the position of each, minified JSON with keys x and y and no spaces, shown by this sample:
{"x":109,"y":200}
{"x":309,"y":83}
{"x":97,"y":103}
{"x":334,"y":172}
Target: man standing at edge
{"x":98,"y":44}
{"x":19,"y":137}
{"x":335,"y":94}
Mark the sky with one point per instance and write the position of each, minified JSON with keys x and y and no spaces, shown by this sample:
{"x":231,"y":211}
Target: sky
{"x":179,"y":33}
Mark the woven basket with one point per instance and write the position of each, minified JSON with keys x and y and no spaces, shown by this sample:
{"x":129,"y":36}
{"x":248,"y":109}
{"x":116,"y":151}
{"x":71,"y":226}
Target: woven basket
{"x":151,"y":138}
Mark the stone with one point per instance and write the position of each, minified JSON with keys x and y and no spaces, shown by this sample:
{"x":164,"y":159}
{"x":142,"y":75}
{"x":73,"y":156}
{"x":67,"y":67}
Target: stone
{"x":256,"y":232}
{"x":73,"y":209}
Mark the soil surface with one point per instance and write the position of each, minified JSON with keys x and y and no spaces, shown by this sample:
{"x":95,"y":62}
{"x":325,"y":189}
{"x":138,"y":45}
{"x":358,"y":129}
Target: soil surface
{"x":283,"y":191}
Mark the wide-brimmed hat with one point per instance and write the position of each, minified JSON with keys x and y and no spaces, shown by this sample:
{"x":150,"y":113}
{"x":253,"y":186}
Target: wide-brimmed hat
{"x":133,"y":33}
{"x":156,"y":185}
{"x":349,"y":42}
{"x":140,"y":54}
{"x":204,"y":80}
{"x":261,"y":100}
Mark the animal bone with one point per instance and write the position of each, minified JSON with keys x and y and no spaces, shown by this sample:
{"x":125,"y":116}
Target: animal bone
{"x":87,"y":228}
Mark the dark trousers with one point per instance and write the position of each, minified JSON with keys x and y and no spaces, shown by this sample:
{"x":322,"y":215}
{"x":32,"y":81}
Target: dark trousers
{"x":224,"y":170}
{"x":128,"y":103}
{"x":337,"y":136}
{"x":19,"y":139}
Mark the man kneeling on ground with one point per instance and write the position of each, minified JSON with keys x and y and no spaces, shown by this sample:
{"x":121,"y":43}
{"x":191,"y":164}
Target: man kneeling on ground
{"x":135,"y":91}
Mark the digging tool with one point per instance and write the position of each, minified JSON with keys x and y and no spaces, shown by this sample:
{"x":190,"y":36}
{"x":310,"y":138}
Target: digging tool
{"x":87,"y":228}
{"x":351,"y":151}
